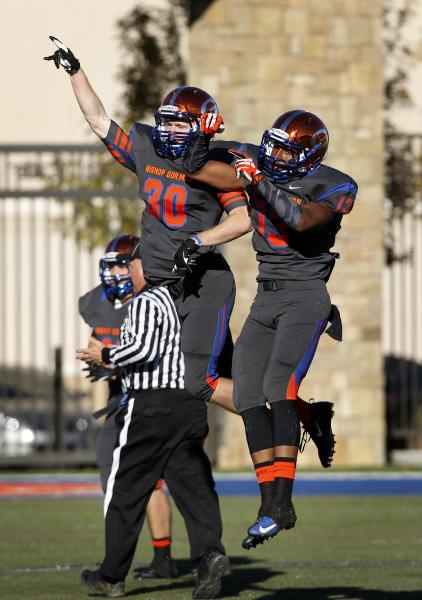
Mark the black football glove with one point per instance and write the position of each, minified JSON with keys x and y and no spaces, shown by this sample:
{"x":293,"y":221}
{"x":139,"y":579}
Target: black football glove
{"x":64,"y":57}
{"x":97,"y":373}
{"x":183,"y":260}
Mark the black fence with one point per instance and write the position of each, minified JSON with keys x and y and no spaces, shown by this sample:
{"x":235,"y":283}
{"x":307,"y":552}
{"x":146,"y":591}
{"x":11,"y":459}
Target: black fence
{"x":402,"y":303}
{"x":58,"y":208}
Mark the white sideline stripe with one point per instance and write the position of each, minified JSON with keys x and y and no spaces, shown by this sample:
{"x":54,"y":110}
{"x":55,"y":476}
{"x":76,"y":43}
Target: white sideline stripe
{"x":116,"y":456}
{"x":239,"y":568}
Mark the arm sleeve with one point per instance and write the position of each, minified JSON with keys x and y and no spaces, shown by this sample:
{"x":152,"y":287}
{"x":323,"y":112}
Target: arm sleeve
{"x":144,"y":326}
{"x":288,"y":207}
{"x":200,"y":150}
{"x":340,"y":198}
{"x":119,"y":144}
{"x":231,"y":200}
{"x":196,"y":154}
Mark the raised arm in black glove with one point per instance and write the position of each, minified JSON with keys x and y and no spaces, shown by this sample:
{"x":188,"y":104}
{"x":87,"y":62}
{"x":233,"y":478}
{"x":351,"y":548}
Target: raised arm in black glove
{"x":64,"y":57}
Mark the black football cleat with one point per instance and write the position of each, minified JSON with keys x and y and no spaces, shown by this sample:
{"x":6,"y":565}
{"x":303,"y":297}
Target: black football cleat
{"x":163,"y":568}
{"x":320,"y":432}
{"x":211,"y":569}
{"x":97,"y":586}
{"x":252,"y":541}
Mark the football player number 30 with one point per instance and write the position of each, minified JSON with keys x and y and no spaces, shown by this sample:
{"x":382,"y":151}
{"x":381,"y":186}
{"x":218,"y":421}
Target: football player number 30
{"x":166,"y":203}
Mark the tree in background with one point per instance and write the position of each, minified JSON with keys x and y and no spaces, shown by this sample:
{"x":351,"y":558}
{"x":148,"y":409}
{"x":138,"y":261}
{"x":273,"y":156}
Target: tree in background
{"x":152,"y":40}
{"x":401,"y":181}
{"x":398,"y":56}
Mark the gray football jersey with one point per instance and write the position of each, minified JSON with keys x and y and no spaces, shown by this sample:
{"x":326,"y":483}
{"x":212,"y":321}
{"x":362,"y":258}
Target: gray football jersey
{"x":283,"y":253}
{"x":176,"y":207}
{"x":99,"y":313}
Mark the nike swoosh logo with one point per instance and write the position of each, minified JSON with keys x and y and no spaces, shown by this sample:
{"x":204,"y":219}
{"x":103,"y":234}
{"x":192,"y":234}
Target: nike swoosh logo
{"x":293,"y":187}
{"x":266,"y":529}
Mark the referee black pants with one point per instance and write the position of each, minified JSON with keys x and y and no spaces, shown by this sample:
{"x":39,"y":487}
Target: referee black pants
{"x":161,"y":435}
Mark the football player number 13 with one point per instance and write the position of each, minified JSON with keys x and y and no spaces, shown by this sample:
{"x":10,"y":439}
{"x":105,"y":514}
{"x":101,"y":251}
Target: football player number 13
{"x":166,"y":203}
{"x":274,"y":240}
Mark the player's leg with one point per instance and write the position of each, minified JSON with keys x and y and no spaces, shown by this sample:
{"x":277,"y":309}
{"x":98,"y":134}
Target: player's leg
{"x":159,"y":519}
{"x":215,"y":369}
{"x":251,"y":355}
{"x":205,"y":307}
{"x":301,"y":320}
{"x":315,"y":417}
{"x":223,"y":396}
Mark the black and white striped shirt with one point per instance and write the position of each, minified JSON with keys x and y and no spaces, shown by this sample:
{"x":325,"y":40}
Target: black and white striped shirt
{"x":150,"y":356}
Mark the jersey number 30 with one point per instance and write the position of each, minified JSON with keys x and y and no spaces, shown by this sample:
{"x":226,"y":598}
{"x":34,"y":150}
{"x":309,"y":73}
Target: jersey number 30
{"x":166,"y":203}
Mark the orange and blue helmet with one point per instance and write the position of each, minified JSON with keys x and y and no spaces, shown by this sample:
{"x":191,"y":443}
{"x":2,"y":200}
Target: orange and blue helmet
{"x":121,"y":250}
{"x":187,"y":104}
{"x":303,"y":135}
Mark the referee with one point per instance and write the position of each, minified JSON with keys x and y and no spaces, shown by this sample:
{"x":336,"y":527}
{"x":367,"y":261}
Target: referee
{"x":161,"y":434}
{"x":104,"y":308}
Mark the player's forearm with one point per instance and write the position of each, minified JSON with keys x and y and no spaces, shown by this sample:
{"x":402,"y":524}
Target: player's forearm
{"x":237,"y":224}
{"x":218,"y":175}
{"x":287,"y":207}
{"x":295,"y":213}
{"x":90,"y":105}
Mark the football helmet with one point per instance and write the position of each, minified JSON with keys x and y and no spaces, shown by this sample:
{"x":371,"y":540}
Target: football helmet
{"x":303,"y":135}
{"x":119,"y":251}
{"x":185,"y":103}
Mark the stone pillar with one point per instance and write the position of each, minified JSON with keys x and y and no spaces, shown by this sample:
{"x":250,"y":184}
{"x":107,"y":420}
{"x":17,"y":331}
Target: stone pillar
{"x":260,"y":58}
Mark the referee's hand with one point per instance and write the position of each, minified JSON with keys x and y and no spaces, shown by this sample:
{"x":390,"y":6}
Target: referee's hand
{"x":92,"y":354}
{"x":64,"y":57}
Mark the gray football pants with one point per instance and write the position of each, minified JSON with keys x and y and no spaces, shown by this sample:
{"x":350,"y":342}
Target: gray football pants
{"x":204,"y":307}
{"x":278,"y":342}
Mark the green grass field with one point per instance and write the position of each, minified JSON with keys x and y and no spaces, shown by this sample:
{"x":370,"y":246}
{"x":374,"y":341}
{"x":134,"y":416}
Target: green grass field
{"x":341,"y":548}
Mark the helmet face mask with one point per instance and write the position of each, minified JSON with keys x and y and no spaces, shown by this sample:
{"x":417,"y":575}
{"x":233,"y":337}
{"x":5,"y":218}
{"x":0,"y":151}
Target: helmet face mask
{"x":119,"y":252}
{"x":169,"y":143}
{"x":116,"y":285}
{"x":301,"y":134}
{"x":185,"y":104}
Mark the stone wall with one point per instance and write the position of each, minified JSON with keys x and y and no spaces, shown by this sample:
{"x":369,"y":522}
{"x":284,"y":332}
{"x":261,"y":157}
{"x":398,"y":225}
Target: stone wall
{"x":260,"y":58}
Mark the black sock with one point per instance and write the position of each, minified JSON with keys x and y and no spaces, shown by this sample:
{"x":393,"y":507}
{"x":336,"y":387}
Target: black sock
{"x":265,"y":477}
{"x":162,"y":548}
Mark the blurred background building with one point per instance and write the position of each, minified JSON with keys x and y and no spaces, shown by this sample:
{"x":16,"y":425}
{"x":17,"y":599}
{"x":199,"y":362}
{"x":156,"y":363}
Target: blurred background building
{"x":354,"y":63}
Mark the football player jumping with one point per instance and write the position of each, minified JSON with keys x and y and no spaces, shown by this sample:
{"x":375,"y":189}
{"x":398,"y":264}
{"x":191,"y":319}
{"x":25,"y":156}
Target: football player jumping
{"x":180,"y":226}
{"x":296,"y":207}
{"x":176,"y":209}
